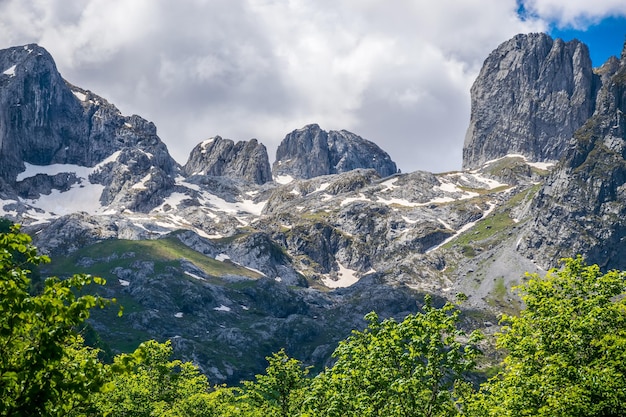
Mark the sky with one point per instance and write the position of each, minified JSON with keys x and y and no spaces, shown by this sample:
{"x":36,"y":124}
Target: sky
{"x":396,"y":72}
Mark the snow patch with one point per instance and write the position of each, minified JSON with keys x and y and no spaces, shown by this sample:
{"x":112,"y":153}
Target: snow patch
{"x":54,"y":169}
{"x":80,"y":96}
{"x":80,"y":197}
{"x":206,"y":144}
{"x":322,"y":187}
{"x":539,"y":165}
{"x":178,"y":315}
{"x":222,"y":308}
{"x":397,"y":201}
{"x":545,"y":166}
{"x":389,"y":185}
{"x":3,"y":211}
{"x":222,"y":257}
{"x":349,"y":200}
{"x":246,"y":206}
{"x":123,"y":282}
{"x":10,"y":72}
{"x":465,"y":227}
{"x":253,"y":270}
{"x":449,"y":187}
{"x":283,"y":179}
{"x":408,"y":221}
{"x":141,"y":185}
{"x":346,"y":277}
{"x":446,"y":225}
{"x":173,"y":200}
{"x":194,"y":276}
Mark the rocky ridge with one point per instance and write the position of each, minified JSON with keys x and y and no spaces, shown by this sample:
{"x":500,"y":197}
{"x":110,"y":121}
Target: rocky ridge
{"x":585,"y":195}
{"x":311,"y":151}
{"x":246,"y":160}
{"x":231,"y":267}
{"x":531,"y":95}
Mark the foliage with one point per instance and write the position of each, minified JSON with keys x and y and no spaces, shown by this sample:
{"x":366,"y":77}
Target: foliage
{"x":566,"y":350}
{"x":566,"y":356}
{"x":280,"y":391}
{"x":397,"y":369}
{"x":44,"y":367}
{"x":147,"y":383}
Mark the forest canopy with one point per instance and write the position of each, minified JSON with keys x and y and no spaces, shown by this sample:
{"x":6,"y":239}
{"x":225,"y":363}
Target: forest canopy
{"x":564,"y":355}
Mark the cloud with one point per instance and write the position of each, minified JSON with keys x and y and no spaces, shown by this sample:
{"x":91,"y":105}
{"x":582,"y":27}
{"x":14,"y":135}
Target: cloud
{"x":578,"y":14}
{"x":397,"y":73}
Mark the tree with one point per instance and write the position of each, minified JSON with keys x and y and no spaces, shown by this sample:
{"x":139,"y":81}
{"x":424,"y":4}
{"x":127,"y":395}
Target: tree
{"x":45,"y":369}
{"x":397,"y":369}
{"x":147,"y":383}
{"x":280,"y":390}
{"x":566,"y":349}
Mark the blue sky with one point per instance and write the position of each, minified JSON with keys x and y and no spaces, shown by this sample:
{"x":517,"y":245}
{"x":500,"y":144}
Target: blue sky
{"x":604,"y":39}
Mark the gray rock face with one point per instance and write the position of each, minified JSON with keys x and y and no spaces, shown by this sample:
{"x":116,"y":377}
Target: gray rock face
{"x":232,"y":269}
{"x":219,"y":157}
{"x":531,"y":95}
{"x":311,"y":152}
{"x":41,"y":121}
{"x":580,"y":209}
{"x":44,"y":120}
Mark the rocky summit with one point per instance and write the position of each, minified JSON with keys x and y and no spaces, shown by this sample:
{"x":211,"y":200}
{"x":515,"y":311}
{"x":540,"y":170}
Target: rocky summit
{"x":246,"y":160}
{"x":232,"y":260}
{"x":311,"y":152}
{"x":531,"y":95}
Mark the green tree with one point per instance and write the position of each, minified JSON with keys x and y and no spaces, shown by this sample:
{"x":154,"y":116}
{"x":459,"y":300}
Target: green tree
{"x":397,"y":369}
{"x":45,"y":370}
{"x":146,"y":383}
{"x":280,"y":391}
{"x":566,"y":350}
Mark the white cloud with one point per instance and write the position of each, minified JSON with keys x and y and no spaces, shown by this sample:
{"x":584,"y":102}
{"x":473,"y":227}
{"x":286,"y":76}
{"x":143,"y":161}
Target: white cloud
{"x":397,"y":73}
{"x":577,"y":14}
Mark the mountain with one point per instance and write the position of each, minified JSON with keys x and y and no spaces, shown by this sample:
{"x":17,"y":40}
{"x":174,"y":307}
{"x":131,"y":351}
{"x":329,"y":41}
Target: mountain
{"x":530,"y":96}
{"x":246,"y":160}
{"x":233,"y":262}
{"x":310,"y":152}
{"x":81,"y":139}
{"x":581,"y":207}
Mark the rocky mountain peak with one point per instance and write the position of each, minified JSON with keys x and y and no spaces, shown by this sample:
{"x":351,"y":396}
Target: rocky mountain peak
{"x":46,"y":121}
{"x":584,"y":197}
{"x":532,"y":94}
{"x":311,"y":151}
{"x":216,"y":156}
{"x":33,"y":98}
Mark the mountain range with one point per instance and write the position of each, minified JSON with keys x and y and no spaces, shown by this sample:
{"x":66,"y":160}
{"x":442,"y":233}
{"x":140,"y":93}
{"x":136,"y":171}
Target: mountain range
{"x":232,"y":258}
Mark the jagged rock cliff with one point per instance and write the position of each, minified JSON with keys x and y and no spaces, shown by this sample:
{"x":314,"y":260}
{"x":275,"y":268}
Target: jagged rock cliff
{"x":41,"y":121}
{"x":232,"y":266}
{"x":311,"y":152}
{"x":582,"y":206}
{"x":530,"y":97}
{"x":219,"y":157}
{"x":45,"y":121}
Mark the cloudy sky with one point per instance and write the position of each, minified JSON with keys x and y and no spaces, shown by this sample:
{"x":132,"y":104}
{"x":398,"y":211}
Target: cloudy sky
{"x":397,"y":72}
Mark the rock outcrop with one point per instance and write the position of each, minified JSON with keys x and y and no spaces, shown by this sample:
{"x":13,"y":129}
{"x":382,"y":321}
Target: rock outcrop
{"x":311,"y":152}
{"x":219,"y":157}
{"x":581,"y":208}
{"x":45,"y":121}
{"x":232,"y":266}
{"x":530,"y":97}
